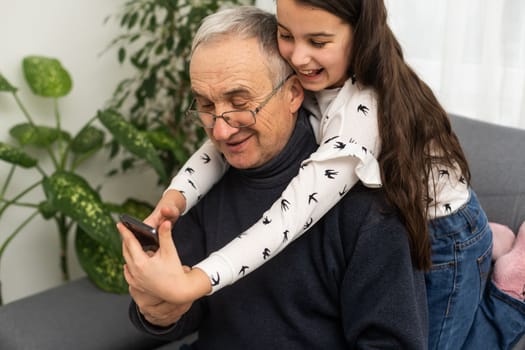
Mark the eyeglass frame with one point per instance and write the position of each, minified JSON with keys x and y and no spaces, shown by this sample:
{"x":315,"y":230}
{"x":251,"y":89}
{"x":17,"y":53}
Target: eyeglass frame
{"x":196,"y":116}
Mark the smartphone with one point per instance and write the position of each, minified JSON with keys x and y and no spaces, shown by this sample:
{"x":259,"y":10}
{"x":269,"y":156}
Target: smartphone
{"x":145,"y":234}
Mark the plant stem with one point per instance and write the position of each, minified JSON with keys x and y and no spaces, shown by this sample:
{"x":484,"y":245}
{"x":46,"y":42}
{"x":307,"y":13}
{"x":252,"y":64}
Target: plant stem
{"x":20,"y":195}
{"x":63,"y":229}
{"x":15,"y":232}
{"x":61,"y":151}
{"x":32,"y":123}
{"x":23,"y":109}
{"x":41,"y":171}
{"x":24,"y":205}
{"x":7,"y":181}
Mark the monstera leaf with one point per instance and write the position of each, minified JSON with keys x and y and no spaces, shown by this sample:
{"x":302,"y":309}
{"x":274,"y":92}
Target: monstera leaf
{"x":103,"y":266}
{"x":46,"y":76}
{"x":72,"y":195}
{"x":132,"y":139}
{"x":16,"y":156}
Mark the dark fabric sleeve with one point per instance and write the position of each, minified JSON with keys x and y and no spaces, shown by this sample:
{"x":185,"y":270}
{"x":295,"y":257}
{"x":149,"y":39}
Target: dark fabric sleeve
{"x":187,"y":325}
{"x":142,"y":324}
{"x":383,"y":299}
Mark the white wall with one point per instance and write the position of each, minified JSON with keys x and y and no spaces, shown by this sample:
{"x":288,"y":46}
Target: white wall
{"x":268,"y":5}
{"x":72,"y":31}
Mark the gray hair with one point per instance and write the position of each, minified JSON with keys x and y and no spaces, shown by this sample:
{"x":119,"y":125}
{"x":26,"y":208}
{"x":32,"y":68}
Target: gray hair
{"x":246,"y":22}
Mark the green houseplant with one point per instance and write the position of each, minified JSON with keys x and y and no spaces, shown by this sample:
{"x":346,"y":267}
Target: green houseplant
{"x":145,"y":124}
{"x":67,"y":198}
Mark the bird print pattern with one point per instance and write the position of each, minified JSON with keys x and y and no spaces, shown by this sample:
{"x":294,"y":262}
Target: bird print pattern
{"x":348,"y":138}
{"x":448,"y":189}
{"x":330,"y":170}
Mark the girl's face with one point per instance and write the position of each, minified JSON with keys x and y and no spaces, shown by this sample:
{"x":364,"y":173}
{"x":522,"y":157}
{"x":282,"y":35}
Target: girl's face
{"x":316,"y":43}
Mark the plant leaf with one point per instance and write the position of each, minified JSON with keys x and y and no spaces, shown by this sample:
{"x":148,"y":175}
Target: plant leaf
{"x":121,"y":55}
{"x":162,"y":139}
{"x":165,"y":141}
{"x":103,"y":267}
{"x":46,"y":209}
{"x":16,"y":156}
{"x":72,"y":195}
{"x":132,"y":139}
{"x":133,"y":207}
{"x":6,"y":85}
{"x":87,"y":140}
{"x":46,"y":76}
{"x":39,"y":136}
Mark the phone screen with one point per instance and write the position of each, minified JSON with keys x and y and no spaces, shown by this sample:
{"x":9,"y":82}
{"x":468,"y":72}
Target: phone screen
{"x":145,"y":234}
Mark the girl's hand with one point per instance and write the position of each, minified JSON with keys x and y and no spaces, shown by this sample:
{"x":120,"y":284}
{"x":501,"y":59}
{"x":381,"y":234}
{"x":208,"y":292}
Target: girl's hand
{"x":161,"y":274}
{"x":169,"y":208}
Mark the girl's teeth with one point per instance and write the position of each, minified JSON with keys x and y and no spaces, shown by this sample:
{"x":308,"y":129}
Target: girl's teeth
{"x":310,"y":72}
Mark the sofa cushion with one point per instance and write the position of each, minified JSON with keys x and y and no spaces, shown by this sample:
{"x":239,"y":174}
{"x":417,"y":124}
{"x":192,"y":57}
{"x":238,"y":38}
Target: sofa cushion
{"x":76,"y":315}
{"x":496,"y":155}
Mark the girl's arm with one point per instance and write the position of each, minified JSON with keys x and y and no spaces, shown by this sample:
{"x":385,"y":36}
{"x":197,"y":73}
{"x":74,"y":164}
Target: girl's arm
{"x":204,"y":168}
{"x":344,"y":157}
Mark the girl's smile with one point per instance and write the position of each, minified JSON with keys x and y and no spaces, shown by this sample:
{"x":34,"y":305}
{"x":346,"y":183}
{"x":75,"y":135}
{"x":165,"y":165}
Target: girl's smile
{"x":316,"y":43}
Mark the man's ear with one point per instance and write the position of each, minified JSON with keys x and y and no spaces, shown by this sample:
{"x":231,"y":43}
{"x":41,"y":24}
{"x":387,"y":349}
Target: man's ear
{"x":296,"y":94}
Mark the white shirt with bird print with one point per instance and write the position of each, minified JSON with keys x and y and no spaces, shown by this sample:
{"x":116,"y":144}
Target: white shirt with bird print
{"x":345,"y":124}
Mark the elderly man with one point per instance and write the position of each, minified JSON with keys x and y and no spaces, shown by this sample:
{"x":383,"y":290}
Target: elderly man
{"x":347,"y":283}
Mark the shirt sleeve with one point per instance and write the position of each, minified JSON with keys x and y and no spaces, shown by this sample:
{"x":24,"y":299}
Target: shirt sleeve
{"x":204,"y":168}
{"x":185,"y":326}
{"x":346,"y":155}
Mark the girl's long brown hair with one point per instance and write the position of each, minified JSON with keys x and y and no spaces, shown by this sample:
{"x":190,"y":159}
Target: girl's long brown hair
{"x":412,"y":123}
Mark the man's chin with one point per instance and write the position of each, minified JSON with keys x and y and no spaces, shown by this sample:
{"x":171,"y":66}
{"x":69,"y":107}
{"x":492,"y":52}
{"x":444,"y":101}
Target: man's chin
{"x":240,"y":161}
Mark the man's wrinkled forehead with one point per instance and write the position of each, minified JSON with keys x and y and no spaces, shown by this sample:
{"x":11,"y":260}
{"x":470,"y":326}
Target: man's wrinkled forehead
{"x":230,"y":65}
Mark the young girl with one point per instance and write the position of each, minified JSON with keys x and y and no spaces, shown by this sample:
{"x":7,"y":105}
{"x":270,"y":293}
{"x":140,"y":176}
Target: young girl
{"x":377,"y":123}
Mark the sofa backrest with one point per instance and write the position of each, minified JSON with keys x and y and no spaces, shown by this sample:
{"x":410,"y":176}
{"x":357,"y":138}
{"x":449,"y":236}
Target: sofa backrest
{"x":496,"y":155}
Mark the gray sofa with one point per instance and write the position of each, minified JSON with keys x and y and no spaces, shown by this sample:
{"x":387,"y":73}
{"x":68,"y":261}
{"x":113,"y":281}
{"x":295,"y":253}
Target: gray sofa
{"x":79,"y":316}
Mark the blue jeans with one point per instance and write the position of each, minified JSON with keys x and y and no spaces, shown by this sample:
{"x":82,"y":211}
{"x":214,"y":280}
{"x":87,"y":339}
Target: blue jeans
{"x":461,"y":262}
{"x":499,"y":322}
{"x":464,"y":311}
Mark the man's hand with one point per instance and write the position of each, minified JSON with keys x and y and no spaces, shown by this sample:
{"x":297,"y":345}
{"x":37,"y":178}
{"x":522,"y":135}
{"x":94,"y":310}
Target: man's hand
{"x":161,"y":274}
{"x":156,"y":311}
{"x":169,"y":208}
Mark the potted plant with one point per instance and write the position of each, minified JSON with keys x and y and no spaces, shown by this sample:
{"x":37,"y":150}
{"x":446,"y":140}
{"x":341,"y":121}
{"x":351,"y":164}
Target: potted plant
{"x":67,"y":197}
{"x":145,"y":121}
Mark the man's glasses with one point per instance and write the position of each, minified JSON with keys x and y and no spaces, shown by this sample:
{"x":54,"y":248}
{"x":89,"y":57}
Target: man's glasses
{"x":239,"y":118}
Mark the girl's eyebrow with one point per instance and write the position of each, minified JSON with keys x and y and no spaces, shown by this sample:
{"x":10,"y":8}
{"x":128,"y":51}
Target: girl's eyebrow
{"x":315,"y":34}
{"x":280,"y":25}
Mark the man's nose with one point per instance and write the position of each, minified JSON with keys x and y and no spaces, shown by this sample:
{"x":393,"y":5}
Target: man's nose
{"x":222,"y":131}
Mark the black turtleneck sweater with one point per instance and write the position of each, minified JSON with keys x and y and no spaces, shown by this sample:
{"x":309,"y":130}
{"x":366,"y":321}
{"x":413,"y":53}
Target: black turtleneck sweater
{"x":348,"y":283}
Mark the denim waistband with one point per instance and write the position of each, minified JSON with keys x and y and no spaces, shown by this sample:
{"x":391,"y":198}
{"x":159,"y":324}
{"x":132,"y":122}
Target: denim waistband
{"x":471,"y":215}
